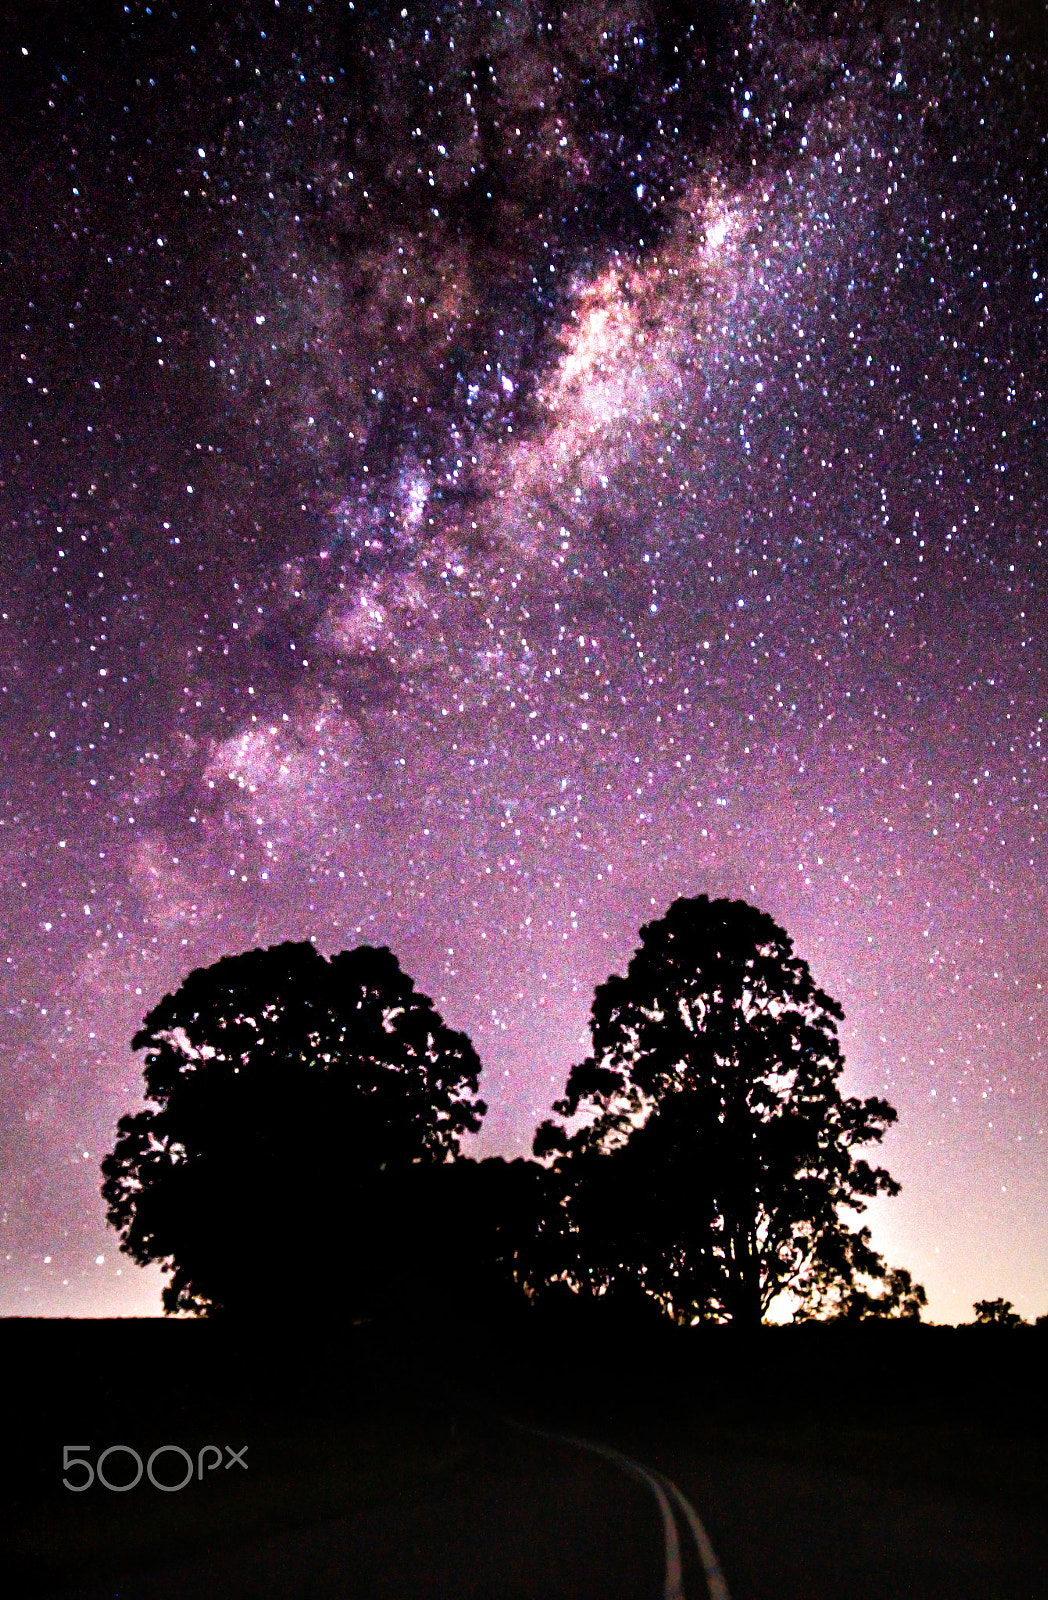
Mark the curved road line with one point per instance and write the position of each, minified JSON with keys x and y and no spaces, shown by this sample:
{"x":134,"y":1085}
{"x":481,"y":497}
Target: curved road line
{"x":715,"y":1583}
{"x":661,"y":1487}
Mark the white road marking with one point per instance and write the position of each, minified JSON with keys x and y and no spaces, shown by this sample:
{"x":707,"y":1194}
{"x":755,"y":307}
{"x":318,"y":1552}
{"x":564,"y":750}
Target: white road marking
{"x":707,"y":1555}
{"x":661,"y":1487}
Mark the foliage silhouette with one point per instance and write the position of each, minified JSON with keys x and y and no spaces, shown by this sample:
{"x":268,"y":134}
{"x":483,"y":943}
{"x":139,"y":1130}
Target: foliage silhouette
{"x":708,"y":1149}
{"x":864,"y":1287}
{"x":999,"y":1313}
{"x":300,"y":1106}
{"x":481,"y":1237}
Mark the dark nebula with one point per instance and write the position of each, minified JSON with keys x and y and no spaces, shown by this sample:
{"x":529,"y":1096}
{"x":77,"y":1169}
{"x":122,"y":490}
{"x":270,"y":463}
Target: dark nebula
{"x":470,"y":475}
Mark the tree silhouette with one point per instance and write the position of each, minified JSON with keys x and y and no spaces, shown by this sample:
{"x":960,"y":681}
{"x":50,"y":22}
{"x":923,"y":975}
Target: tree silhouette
{"x":1001,"y":1313}
{"x":859,"y":1287}
{"x":485,"y":1236}
{"x":294,"y":1098}
{"x":709,"y":1149}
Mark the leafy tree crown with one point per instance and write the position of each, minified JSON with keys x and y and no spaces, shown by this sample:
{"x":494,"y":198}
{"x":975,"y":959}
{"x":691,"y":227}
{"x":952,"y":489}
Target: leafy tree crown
{"x":714,"y":1078}
{"x":282,"y":1086}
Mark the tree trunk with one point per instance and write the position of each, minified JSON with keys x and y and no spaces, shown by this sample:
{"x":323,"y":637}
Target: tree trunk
{"x":744,"y":1277}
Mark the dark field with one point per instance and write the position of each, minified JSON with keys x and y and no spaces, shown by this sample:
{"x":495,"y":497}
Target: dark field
{"x":375,"y":1423}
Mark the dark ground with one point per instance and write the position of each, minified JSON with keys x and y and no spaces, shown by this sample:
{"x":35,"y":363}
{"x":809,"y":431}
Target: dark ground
{"x":825,"y":1461}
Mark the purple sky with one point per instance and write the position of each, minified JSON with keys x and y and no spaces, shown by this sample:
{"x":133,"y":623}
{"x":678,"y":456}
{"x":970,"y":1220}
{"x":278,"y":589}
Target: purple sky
{"x":469,"y":477}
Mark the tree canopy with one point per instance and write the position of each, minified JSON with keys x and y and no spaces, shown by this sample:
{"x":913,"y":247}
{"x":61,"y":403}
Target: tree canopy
{"x":291,"y":1098}
{"x":300,"y":1152}
{"x":997,"y":1313}
{"x":705,"y":1146}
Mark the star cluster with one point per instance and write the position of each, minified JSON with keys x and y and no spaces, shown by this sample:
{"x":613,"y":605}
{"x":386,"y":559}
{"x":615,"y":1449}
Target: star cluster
{"x":472,"y":475}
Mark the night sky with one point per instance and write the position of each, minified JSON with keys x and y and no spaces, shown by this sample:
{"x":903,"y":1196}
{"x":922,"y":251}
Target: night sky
{"x":469,"y":476}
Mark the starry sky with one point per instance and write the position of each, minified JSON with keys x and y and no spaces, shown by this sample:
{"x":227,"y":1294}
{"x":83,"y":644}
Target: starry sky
{"x":470,"y":475}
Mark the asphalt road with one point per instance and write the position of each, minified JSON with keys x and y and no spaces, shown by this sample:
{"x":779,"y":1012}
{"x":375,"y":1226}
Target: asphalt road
{"x":539,"y":1519}
{"x":531,"y":1520}
{"x":785,"y":1531}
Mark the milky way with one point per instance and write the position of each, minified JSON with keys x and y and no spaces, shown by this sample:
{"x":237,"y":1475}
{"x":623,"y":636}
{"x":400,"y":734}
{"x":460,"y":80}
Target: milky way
{"x":472,"y":475}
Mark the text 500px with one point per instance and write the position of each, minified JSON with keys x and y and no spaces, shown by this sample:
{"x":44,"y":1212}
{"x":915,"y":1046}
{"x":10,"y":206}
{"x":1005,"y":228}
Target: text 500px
{"x":209,"y":1459}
